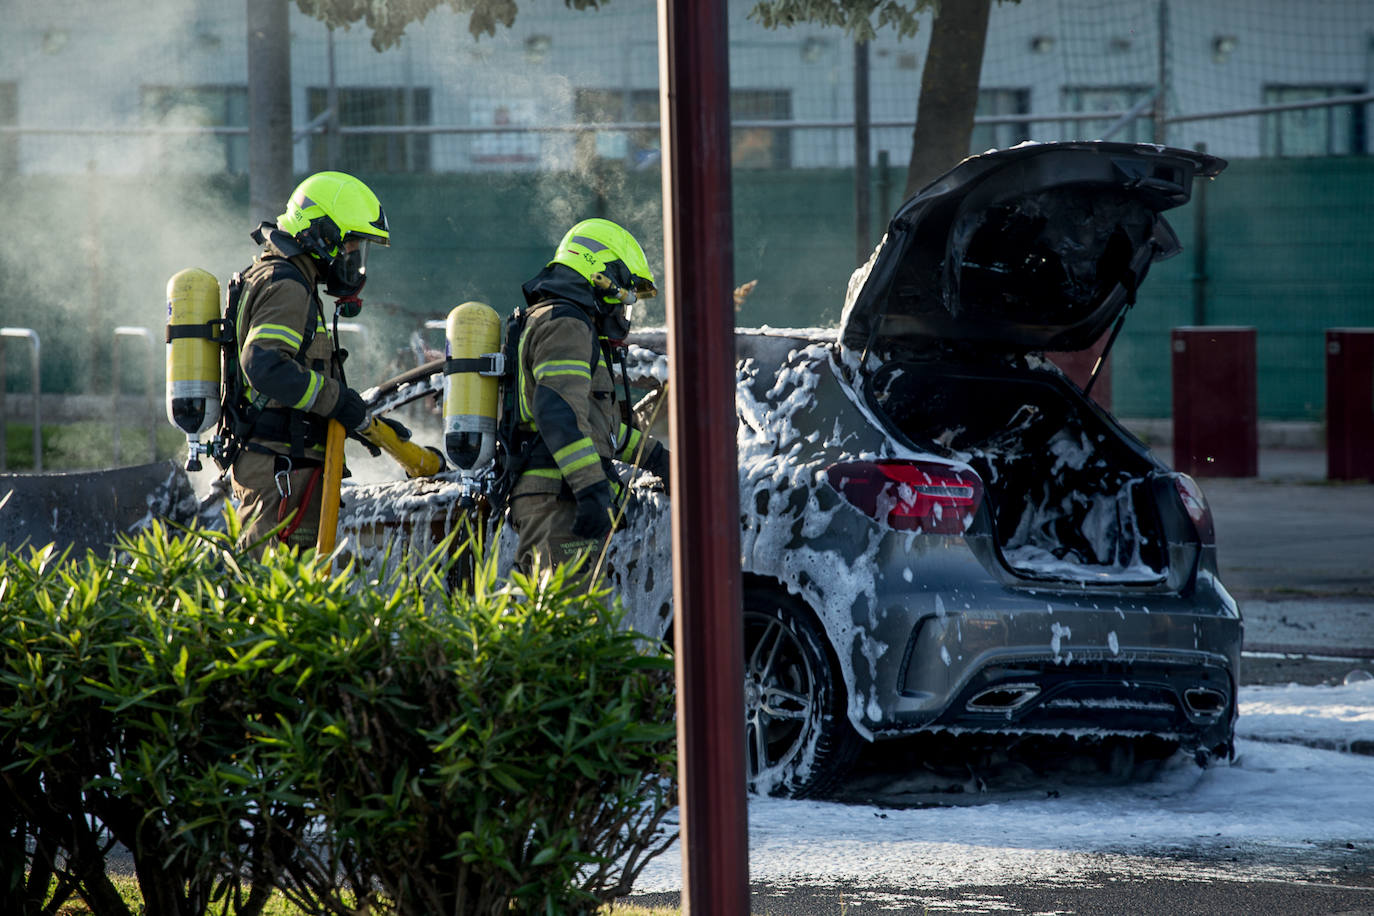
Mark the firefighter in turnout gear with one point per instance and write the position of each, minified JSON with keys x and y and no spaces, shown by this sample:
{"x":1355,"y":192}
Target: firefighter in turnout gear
{"x":291,"y":372}
{"x":572,"y":424}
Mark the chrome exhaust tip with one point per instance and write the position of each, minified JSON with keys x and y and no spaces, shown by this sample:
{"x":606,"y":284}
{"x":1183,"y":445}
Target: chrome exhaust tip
{"x":1003,"y":698}
{"x":1204,"y":701}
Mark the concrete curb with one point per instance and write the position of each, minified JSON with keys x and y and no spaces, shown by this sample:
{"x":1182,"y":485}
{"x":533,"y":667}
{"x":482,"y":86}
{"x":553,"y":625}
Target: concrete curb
{"x":1325,"y":653}
{"x":1363,"y":748}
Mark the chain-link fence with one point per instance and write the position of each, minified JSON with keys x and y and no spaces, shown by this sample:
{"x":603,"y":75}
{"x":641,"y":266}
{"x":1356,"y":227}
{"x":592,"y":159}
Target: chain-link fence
{"x":124,"y":152}
{"x":148,"y":90}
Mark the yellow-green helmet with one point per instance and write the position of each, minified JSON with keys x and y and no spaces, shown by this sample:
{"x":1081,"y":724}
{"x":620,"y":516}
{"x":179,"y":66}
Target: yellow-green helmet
{"x":328,"y":210}
{"x":601,"y":251}
{"x":339,"y":207}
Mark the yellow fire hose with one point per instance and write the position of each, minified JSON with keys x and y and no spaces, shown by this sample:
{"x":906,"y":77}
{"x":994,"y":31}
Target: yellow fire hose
{"x":416,"y":460}
{"x":329,"y":495}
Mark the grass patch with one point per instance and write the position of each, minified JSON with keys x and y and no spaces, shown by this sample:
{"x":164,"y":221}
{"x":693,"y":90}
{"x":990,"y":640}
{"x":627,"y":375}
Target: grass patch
{"x":277,"y":906}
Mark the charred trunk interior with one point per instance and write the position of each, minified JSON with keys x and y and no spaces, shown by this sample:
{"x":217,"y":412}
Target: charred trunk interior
{"x":1067,"y":490}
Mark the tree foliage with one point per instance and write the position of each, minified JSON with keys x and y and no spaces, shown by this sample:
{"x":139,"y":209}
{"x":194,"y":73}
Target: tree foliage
{"x":388,"y":18}
{"x":860,"y":18}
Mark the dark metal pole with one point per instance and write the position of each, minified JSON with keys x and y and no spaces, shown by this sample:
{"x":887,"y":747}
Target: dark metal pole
{"x":35,"y":371}
{"x":885,"y":185}
{"x":331,"y":101}
{"x":863,"y":216}
{"x":694,"y":86}
{"x":115,"y":419}
{"x":4,"y":410}
{"x":1161,"y":125}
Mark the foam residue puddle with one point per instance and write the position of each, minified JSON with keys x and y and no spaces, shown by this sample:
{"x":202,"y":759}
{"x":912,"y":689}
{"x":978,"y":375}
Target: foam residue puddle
{"x":1277,"y":812}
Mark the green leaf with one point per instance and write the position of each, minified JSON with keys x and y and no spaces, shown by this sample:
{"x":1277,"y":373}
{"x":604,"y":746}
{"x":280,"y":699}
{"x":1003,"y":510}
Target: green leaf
{"x":179,"y":669}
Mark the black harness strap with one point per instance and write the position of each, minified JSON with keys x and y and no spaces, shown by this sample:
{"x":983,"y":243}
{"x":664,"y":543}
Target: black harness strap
{"x":216,"y":330}
{"x":482,"y":364}
{"x":619,"y":351}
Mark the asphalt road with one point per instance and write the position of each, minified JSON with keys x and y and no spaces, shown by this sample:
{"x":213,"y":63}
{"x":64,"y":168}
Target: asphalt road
{"x":1292,"y":534}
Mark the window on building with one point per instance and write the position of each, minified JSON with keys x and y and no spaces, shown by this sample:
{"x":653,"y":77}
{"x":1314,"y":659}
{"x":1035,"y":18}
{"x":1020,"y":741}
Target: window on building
{"x":1113,"y":99}
{"x":504,"y":148}
{"x":751,"y":146}
{"x":9,"y":114}
{"x":760,"y":147}
{"x":636,"y":148}
{"x":201,"y":106}
{"x":993,"y":102}
{"x":399,"y":151}
{"x":1328,"y":130}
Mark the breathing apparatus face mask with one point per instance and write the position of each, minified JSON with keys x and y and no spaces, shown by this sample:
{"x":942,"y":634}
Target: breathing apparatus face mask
{"x":346,"y":273}
{"x":615,"y":320}
{"x":618,"y":297}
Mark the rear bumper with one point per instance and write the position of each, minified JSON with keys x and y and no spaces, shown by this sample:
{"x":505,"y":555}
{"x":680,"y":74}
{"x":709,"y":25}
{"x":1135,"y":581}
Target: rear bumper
{"x":1192,"y":702}
{"x":1168,"y":667}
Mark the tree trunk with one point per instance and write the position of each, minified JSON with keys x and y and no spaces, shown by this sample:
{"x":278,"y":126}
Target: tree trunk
{"x":269,"y":109}
{"x":949,"y":90}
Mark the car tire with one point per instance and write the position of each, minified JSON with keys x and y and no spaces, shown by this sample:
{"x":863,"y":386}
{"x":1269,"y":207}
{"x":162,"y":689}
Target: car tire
{"x":798,"y":739}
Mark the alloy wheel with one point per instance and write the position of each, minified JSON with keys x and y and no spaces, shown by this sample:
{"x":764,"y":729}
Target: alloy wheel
{"x":779,"y":693}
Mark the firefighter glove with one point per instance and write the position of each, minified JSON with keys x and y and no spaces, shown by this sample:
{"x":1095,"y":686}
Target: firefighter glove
{"x":443,"y":464}
{"x":351,"y":411}
{"x":658,"y":463}
{"x":397,"y":427}
{"x":593,"y":511}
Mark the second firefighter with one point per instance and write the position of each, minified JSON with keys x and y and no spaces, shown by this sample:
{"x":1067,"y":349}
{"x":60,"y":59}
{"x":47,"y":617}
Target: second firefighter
{"x":572,"y":424}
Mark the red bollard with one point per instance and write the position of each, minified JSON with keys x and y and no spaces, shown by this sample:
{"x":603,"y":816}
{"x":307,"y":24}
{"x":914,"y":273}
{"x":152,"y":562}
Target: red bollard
{"x":1350,"y":403}
{"x":1216,"y":431}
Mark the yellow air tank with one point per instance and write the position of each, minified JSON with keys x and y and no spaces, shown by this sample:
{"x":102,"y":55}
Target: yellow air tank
{"x":193,"y":356}
{"x":473,"y":332}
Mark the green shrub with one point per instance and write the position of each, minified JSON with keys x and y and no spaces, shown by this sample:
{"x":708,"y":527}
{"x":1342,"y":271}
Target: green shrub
{"x":240,"y":726}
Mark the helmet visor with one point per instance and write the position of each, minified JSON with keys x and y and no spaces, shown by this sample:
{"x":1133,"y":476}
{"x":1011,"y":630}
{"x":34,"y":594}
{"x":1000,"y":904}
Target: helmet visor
{"x":348,"y":269}
{"x":355,"y":251}
{"x":643,"y":288}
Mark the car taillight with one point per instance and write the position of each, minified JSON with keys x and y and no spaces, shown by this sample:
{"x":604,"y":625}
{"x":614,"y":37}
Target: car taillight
{"x":910,"y":495}
{"x":1195,"y":504}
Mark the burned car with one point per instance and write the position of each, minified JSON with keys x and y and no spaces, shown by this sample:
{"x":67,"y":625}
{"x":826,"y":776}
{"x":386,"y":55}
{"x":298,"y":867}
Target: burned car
{"x":939,"y":531}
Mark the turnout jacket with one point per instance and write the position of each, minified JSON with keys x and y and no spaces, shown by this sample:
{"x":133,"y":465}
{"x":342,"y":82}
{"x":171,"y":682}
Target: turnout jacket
{"x":570,"y":418}
{"x":285,"y":353}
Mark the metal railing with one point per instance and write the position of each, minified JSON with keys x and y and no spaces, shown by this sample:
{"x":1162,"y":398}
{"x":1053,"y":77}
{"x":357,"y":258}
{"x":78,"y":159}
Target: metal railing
{"x":318,"y":125}
{"x":37,"y":386}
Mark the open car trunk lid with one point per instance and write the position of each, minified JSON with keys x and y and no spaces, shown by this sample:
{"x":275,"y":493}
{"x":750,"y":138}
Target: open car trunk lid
{"x":1037,"y":247}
